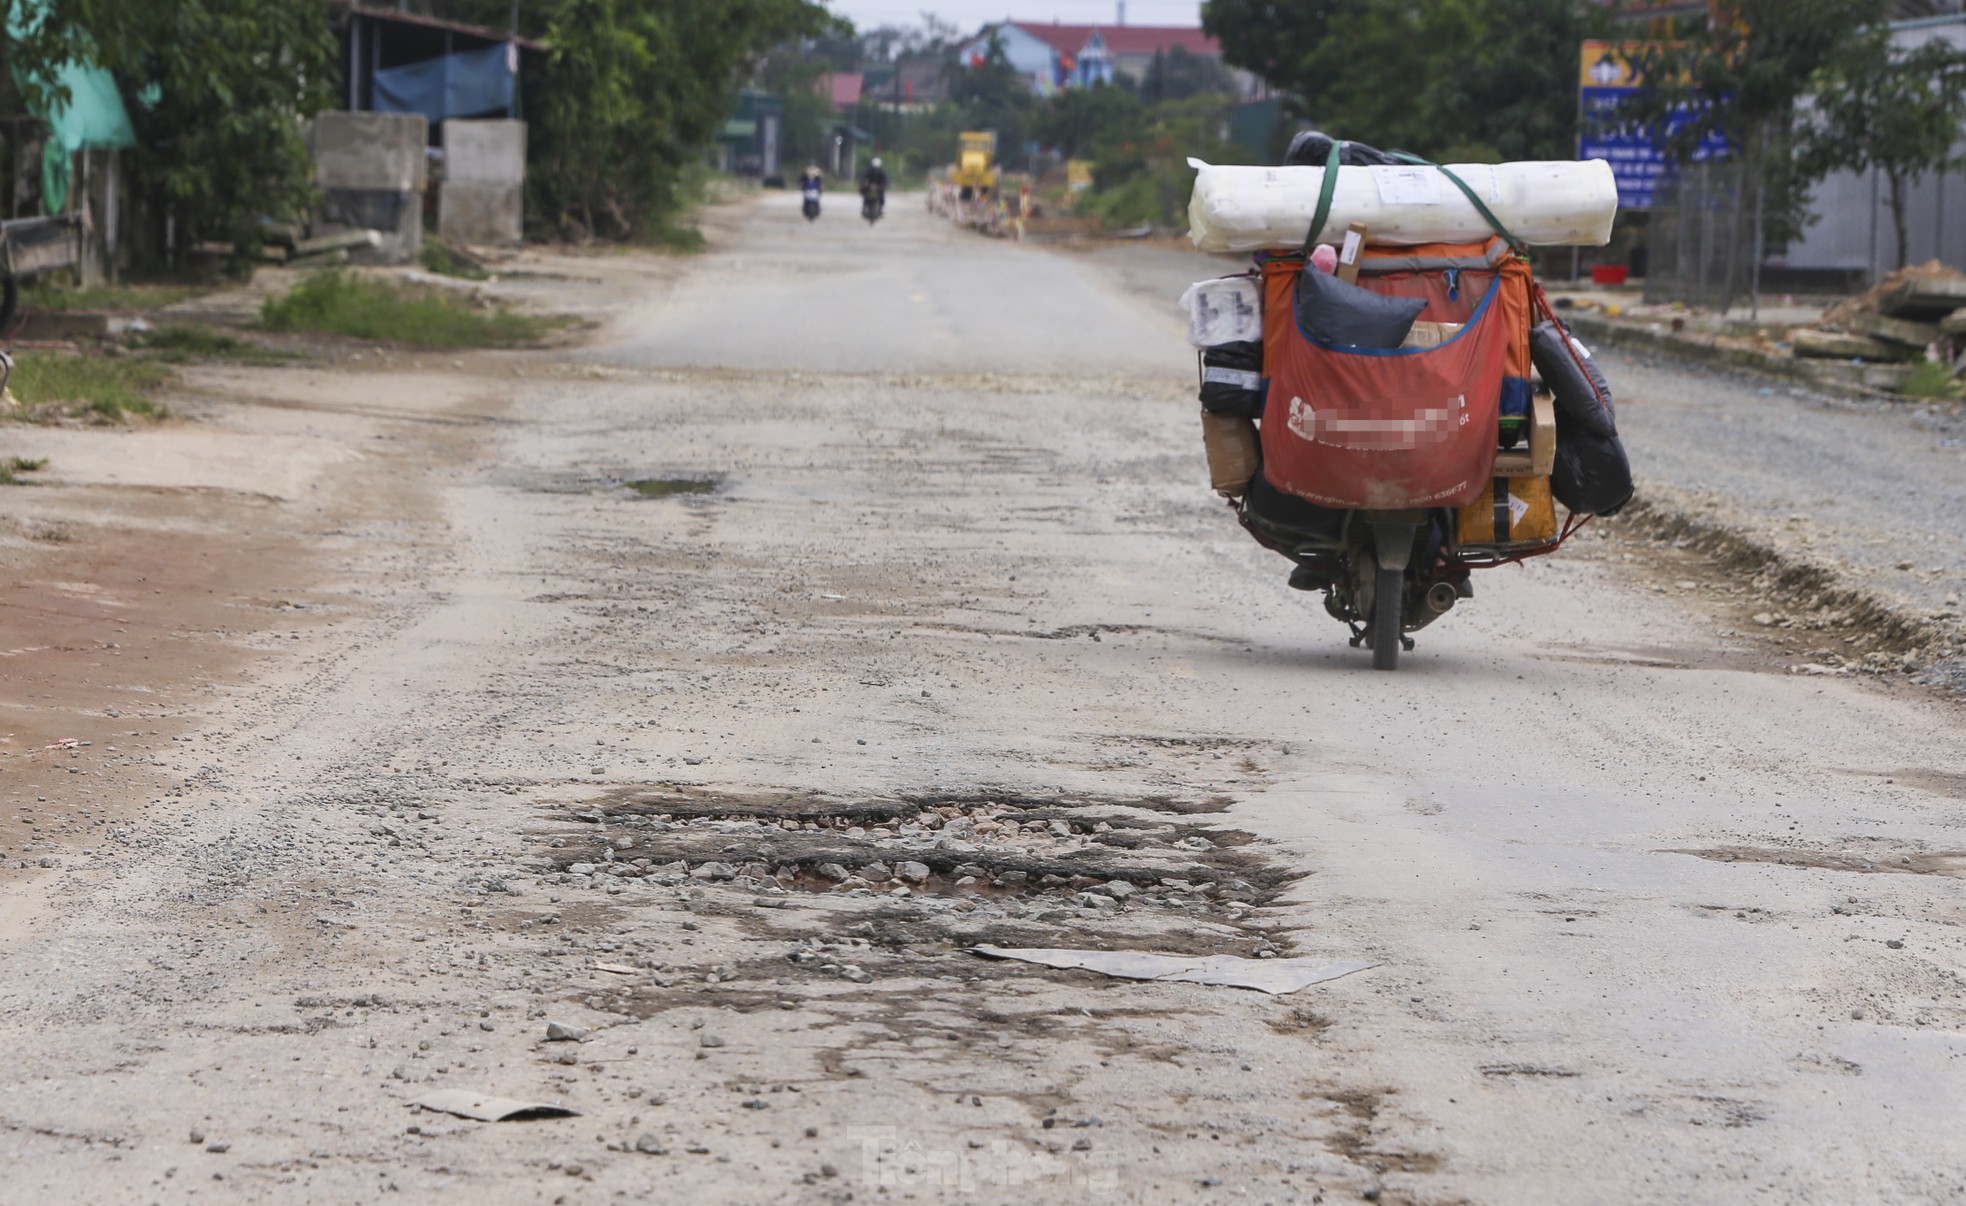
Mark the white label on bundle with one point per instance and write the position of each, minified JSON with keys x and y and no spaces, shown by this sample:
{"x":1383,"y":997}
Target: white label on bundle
{"x":1407,"y":185}
{"x":1240,"y":378}
{"x":1517,"y":509}
{"x":1353,"y":242}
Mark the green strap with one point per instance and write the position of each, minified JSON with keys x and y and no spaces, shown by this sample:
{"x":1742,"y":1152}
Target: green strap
{"x":1324,"y":196}
{"x":1487,"y":215}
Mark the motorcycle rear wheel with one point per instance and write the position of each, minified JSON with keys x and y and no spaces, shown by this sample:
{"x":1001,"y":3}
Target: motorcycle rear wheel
{"x":1388,"y":589}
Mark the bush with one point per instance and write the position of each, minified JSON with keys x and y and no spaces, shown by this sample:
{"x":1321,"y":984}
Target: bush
{"x":340,"y":303}
{"x":1931,"y":380}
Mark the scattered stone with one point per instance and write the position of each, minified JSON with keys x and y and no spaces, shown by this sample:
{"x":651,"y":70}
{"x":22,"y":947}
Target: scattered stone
{"x":1120,"y":889}
{"x":1895,"y":944}
{"x":557,"y":1032}
{"x":711,"y":1040}
{"x":582,"y":869}
{"x":649,"y":1145}
{"x":714,"y":871}
{"x":197,"y":1136}
{"x":218,"y":1146}
{"x":913,"y":872}
{"x":833,"y":871}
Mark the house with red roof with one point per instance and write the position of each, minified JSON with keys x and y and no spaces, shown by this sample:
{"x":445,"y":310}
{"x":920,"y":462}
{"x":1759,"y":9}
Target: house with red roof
{"x":1052,"y":55}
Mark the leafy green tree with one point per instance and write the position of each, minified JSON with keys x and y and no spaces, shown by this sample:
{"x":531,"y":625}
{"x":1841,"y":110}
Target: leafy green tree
{"x":632,"y":90}
{"x":1082,"y":121}
{"x":1741,"y":78}
{"x":1878,"y":106}
{"x":993,"y":96}
{"x":1178,"y":74}
{"x":219,"y":91}
{"x":1445,"y":78}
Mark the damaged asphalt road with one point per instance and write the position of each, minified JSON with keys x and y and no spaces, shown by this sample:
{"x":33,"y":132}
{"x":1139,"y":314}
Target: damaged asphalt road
{"x":679,"y":807}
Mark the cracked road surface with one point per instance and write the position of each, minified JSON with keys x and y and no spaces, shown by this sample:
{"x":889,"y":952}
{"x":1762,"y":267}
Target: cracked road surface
{"x":855,"y":598}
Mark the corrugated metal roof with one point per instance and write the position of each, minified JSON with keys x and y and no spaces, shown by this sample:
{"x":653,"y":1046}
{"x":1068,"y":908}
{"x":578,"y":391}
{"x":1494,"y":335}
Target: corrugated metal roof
{"x":390,"y":16}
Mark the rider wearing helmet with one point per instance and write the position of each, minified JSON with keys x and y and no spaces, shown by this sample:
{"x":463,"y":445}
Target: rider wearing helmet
{"x":874,"y":179}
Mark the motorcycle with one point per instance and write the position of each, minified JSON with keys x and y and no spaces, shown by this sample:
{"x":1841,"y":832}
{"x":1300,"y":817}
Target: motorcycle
{"x":1389,"y":471}
{"x":811,"y":205}
{"x":873,"y":203}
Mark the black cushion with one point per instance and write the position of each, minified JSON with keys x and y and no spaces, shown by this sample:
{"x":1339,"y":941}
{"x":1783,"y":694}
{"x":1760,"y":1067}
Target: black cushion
{"x":1335,"y":314}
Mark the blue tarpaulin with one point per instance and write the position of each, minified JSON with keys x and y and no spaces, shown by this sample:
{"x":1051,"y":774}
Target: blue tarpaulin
{"x":466,"y":84}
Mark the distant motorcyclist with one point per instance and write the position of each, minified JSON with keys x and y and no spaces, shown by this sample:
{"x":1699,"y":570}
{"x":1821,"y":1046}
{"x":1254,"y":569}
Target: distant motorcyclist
{"x":810,"y":186}
{"x":873,"y":181}
{"x":873,"y":191}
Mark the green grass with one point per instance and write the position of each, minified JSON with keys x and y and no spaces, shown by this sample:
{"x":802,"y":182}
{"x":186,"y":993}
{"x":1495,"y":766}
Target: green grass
{"x":12,"y":467}
{"x":98,"y":387}
{"x":181,"y":345}
{"x":1931,"y":380}
{"x":437,"y":257}
{"x":45,"y":295}
{"x":339,"y":303}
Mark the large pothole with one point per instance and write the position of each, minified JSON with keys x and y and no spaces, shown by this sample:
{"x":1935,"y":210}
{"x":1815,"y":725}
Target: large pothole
{"x":924,"y":874}
{"x":1088,"y":853}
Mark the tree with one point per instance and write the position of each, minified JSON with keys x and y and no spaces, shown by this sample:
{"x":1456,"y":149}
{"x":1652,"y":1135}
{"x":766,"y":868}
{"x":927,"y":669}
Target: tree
{"x":991,"y":96}
{"x":1475,"y":78}
{"x":632,"y":90}
{"x":1879,"y":106}
{"x":1078,"y":122}
{"x":218,"y":92}
{"x":1740,"y":79}
{"x":1178,"y":74}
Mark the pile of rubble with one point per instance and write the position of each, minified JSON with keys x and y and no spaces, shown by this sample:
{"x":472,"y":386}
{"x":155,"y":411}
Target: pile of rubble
{"x":1913,"y":315}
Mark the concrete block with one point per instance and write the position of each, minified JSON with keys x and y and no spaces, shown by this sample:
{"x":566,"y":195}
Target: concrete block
{"x":483,"y":198}
{"x":371,"y":169}
{"x":485,"y":152}
{"x":1833,"y":346}
{"x":1927,"y":298}
{"x":1892,"y":330}
{"x":486,"y":214}
{"x":373,"y":152}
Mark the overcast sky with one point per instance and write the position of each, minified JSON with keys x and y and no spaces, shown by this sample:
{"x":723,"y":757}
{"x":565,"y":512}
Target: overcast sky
{"x":970,"y":14}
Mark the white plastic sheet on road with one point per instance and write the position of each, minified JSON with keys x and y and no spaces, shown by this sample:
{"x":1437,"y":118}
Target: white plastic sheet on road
{"x":1554,"y":204}
{"x":486,"y":1108}
{"x":1274,"y":976}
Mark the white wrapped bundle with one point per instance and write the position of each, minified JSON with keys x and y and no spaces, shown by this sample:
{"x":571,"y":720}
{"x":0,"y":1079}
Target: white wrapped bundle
{"x":1562,"y":203}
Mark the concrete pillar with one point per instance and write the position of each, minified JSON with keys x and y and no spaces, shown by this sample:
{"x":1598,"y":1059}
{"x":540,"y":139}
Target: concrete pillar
{"x":483,"y":196}
{"x":371,"y":171}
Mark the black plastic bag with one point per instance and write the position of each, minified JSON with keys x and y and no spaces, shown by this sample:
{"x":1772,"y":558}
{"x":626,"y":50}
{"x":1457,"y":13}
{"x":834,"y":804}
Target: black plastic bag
{"x":1312,"y":148}
{"x":1232,"y":379}
{"x":1592,"y":475}
{"x":1333,"y":313}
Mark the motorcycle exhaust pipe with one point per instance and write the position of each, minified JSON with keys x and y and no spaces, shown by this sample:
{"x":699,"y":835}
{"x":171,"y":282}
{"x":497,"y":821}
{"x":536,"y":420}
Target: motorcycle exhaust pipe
{"x":1440,"y":597}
